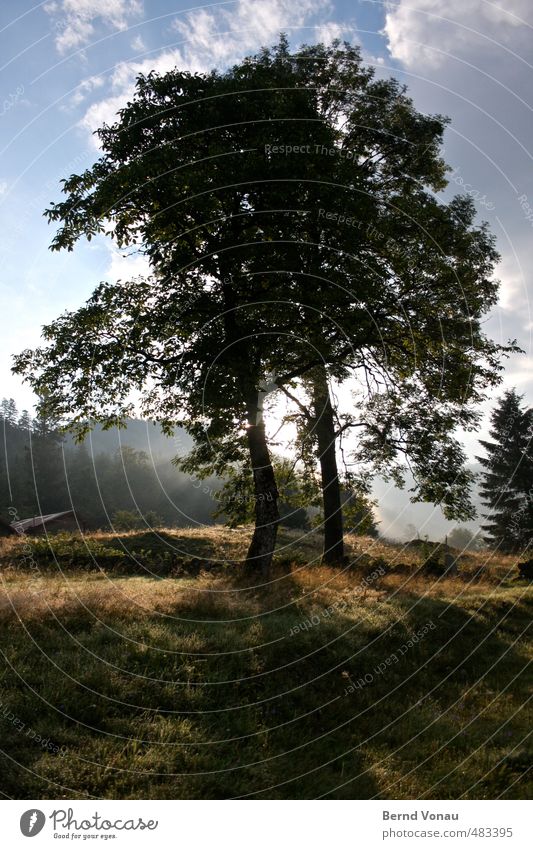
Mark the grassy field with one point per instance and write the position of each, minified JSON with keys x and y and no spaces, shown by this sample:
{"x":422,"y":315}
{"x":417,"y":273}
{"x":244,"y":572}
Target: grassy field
{"x":148,"y":666}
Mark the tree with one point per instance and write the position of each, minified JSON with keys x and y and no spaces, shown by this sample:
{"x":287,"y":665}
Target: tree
{"x":358,"y":514}
{"x":255,"y":272}
{"x":126,"y":520}
{"x":464,"y":539}
{"x":8,"y":411}
{"x":25,"y":421}
{"x":507,"y":479}
{"x":44,"y":460}
{"x":296,"y":492}
{"x":152,"y":519}
{"x":392,"y":285}
{"x":187,"y":323}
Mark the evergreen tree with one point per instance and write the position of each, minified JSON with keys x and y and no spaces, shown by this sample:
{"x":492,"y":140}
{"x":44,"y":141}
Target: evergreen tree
{"x":507,"y":479}
{"x":44,"y":462}
{"x":41,"y":472}
{"x":25,"y":421}
{"x":8,"y":411}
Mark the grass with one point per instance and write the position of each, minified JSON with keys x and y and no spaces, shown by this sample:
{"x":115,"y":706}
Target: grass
{"x":147,"y":678}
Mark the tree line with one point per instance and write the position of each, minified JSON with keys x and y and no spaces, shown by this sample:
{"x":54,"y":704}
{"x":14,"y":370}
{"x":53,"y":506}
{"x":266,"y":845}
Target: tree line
{"x":42,"y":471}
{"x":237,"y":186}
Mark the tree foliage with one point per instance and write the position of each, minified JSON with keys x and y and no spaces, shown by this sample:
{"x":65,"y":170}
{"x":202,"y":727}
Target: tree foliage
{"x":297,"y":493}
{"x":238,"y":187}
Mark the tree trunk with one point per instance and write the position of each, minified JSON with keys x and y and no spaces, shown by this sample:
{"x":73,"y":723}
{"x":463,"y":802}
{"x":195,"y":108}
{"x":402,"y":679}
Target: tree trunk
{"x":260,"y":553}
{"x":331,"y":491}
{"x":261,"y":550}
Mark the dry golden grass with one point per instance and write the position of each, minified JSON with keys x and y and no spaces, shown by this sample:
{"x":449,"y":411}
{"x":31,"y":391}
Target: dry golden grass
{"x":27,"y":591}
{"x":207,"y":686}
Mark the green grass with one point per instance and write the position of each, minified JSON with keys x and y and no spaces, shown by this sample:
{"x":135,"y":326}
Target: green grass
{"x":154,"y":686}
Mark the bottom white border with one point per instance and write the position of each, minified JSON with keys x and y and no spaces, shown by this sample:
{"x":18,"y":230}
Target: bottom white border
{"x":268,"y":824}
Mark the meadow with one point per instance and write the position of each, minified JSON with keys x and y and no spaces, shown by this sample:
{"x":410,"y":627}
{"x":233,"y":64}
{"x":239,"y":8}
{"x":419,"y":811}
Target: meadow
{"x":149,"y":665}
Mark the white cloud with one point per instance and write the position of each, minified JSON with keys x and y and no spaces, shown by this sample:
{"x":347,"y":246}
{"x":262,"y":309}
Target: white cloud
{"x":221,"y":35}
{"x":326,"y":33}
{"x":512,"y":288}
{"x":520,"y":374}
{"x":214,"y":38}
{"x":138,"y":44}
{"x":421,"y":32}
{"x":372,"y":59}
{"x":84,"y":89}
{"x":3,"y":187}
{"x":74,"y":20}
{"x":125,"y":267}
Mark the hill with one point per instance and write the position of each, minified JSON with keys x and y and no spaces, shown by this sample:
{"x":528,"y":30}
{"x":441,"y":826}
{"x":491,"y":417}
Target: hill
{"x":127,"y":469}
{"x":148,"y":666}
{"x":141,"y":436}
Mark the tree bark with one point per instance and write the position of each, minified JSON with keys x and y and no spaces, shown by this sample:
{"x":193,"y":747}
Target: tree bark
{"x":331,"y":492}
{"x":261,"y":550}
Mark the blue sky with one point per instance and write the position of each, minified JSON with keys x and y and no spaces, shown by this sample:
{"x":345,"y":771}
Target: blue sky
{"x":69,"y":64}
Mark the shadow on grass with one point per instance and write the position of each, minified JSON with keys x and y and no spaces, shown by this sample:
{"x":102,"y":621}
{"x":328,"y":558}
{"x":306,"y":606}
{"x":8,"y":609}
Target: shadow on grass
{"x":161,"y":542}
{"x":268,"y":694}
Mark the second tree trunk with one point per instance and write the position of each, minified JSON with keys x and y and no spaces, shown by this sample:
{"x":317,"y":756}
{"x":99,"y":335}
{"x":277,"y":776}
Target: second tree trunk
{"x":331,"y":490}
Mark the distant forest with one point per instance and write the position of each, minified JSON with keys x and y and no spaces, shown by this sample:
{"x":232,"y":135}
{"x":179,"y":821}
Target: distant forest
{"x":43,"y":471}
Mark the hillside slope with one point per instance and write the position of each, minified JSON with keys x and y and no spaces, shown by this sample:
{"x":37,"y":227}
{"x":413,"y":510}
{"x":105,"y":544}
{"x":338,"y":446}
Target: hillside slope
{"x":379,"y":681}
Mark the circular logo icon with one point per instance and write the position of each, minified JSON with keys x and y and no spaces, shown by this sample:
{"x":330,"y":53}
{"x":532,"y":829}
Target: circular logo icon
{"x":32,"y":822}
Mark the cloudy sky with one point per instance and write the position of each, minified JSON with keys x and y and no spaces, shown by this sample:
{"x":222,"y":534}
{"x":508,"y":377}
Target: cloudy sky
{"x":68,"y":65}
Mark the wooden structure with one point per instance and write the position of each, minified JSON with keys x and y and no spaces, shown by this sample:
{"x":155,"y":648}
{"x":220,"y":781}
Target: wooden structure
{"x":67,"y":520}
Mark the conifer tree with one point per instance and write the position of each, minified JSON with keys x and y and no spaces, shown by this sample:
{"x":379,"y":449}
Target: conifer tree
{"x":507,"y":479}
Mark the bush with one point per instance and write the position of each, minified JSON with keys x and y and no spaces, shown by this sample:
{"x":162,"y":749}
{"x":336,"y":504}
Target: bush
{"x":126,"y":520}
{"x":525,"y":570}
{"x":153,"y":519}
{"x":73,"y":550}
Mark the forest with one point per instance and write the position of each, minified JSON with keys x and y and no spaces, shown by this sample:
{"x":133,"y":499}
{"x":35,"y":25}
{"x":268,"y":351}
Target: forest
{"x":42,"y":471}
{"x":126,"y":478}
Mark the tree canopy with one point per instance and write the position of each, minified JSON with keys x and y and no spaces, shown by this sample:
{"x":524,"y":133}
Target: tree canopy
{"x":238,"y":187}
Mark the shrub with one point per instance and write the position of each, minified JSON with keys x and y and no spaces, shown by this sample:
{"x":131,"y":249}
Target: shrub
{"x":126,"y":520}
{"x":526,"y":570}
{"x":73,"y":550}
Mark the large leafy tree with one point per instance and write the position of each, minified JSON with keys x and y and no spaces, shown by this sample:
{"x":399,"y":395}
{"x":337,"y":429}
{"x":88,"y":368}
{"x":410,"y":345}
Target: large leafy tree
{"x":507,"y":477}
{"x":237,"y":187}
{"x":391,"y":282}
{"x":297,"y":493}
{"x":411,"y":322}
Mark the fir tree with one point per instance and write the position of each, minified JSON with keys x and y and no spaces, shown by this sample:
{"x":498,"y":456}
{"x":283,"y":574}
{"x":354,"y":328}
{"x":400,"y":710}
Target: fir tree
{"x":507,"y":479}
